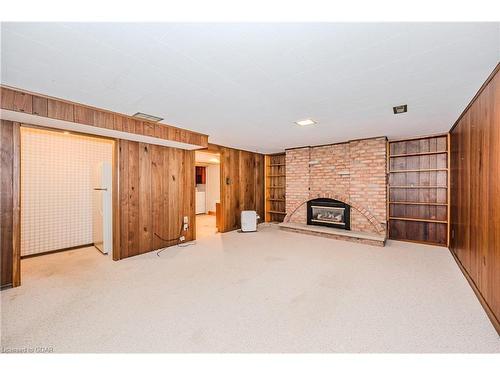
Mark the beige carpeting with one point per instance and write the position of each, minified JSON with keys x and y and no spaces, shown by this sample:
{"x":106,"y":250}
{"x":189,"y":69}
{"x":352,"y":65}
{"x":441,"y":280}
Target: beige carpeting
{"x":268,"y":291}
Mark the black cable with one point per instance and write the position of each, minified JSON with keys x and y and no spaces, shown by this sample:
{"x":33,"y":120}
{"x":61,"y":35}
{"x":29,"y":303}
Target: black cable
{"x":178,"y":239}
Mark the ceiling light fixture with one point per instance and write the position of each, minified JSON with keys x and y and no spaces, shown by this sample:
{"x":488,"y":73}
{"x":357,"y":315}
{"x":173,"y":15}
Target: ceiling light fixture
{"x":400,"y":109}
{"x":145,"y":116}
{"x":305,"y":122}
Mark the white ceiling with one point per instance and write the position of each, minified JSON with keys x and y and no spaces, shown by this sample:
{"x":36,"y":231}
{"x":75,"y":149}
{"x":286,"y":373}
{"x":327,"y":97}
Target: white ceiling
{"x":245,"y":84}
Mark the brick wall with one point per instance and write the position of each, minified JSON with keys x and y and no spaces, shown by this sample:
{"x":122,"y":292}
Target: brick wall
{"x":353,"y":172}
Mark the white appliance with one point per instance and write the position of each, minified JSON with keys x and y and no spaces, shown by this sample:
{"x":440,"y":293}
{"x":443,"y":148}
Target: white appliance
{"x":249,"y":221}
{"x":102,"y":218}
{"x":201,"y":199}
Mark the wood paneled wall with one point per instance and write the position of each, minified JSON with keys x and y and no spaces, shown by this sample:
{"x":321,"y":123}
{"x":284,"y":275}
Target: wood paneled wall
{"x":10,"y":203}
{"x":37,"y":104}
{"x":475,"y":194}
{"x":242,"y":184}
{"x":156,"y":189}
{"x":418,"y":190}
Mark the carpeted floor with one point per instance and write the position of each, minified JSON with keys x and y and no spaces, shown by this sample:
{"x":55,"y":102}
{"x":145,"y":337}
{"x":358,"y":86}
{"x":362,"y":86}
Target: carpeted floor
{"x":269,"y":291}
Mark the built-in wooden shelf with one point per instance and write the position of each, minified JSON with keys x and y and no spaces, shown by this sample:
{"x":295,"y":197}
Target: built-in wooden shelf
{"x":421,"y":203}
{"x":418,"y":219}
{"x":419,"y":170}
{"x":423,"y":162}
{"x":418,"y":187}
{"x":275,"y":187}
{"x":419,"y":154}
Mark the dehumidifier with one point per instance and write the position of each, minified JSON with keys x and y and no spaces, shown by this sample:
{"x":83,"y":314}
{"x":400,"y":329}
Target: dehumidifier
{"x":249,"y":221}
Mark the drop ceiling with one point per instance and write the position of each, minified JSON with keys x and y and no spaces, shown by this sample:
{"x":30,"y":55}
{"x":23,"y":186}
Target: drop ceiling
{"x":246,"y":84}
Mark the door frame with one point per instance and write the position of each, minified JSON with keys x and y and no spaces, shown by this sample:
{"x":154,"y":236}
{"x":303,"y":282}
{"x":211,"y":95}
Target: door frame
{"x":216,"y":150}
{"x":16,"y":236}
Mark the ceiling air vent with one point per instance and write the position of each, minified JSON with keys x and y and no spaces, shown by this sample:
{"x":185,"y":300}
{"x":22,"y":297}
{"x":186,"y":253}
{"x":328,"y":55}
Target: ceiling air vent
{"x":400,"y":109}
{"x":145,"y":116}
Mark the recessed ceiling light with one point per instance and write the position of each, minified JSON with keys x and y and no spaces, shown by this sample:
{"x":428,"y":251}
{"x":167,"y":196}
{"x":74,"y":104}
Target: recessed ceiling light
{"x":400,"y":109}
{"x":305,"y":122}
{"x":145,"y":116}
{"x":66,"y":132}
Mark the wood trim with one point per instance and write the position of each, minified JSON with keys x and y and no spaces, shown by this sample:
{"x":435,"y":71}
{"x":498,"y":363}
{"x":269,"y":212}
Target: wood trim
{"x":430,"y":243}
{"x":417,"y":219}
{"x":489,"y":312}
{"x":419,"y":153}
{"x":116,"y":201}
{"x":418,"y":187}
{"x":62,"y":109}
{"x":418,"y":170}
{"x":483,"y":86}
{"x":16,"y":214}
{"x":420,"y":203}
{"x":387,"y":191}
{"x":448,"y":196}
{"x":416,"y":138}
{"x":10,"y":203}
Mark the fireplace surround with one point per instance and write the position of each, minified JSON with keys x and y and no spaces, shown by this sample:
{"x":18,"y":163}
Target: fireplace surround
{"x":329,"y":213}
{"x":352,"y":172}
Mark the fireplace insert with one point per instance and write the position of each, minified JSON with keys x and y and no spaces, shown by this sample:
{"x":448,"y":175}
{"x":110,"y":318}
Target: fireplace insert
{"x":329,"y":213}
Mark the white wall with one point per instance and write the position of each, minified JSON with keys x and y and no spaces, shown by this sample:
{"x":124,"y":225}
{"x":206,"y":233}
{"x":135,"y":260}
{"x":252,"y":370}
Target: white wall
{"x":56,"y":191}
{"x":213,"y":186}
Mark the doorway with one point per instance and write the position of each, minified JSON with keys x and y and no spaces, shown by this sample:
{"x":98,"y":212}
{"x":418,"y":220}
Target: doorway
{"x":66,"y":196}
{"x":207,"y":186}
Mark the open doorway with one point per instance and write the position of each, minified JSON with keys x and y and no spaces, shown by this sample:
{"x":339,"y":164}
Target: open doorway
{"x":207,"y":193}
{"x":66,"y":198}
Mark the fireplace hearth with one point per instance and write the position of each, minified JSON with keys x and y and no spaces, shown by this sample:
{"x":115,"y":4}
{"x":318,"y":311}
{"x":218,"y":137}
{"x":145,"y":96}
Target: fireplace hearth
{"x":329,"y":213}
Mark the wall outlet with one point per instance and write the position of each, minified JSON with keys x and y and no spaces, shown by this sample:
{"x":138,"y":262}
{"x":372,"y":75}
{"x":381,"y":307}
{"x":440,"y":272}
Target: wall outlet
{"x":182,"y":238}
{"x":185,"y":227}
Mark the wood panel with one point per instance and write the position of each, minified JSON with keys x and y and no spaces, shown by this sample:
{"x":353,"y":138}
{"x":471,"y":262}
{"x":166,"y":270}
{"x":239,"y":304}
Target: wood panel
{"x":475,"y":194}
{"x":9,"y":203}
{"x":40,"y":106}
{"x":28,"y":102}
{"x":156,"y":188}
{"x":242,"y":185}
{"x":418,"y":190}
{"x":275,"y":187}
{"x":60,"y":110}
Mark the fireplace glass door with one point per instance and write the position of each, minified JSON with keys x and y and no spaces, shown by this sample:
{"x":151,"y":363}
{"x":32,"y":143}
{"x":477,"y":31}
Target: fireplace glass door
{"x":328,"y":215}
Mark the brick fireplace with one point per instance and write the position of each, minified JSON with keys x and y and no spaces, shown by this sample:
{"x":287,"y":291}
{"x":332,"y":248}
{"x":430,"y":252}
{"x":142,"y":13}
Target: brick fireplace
{"x":353,"y":173}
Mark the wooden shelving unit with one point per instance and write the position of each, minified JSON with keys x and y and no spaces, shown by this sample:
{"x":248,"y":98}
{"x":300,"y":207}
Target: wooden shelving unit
{"x":275,"y":187}
{"x":418,"y":190}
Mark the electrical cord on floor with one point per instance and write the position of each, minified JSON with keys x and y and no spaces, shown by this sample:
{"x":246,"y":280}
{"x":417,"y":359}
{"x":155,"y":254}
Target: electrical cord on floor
{"x":178,"y":239}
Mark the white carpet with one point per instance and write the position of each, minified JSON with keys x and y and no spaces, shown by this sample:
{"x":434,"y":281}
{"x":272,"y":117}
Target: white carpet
{"x":269,"y":291}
